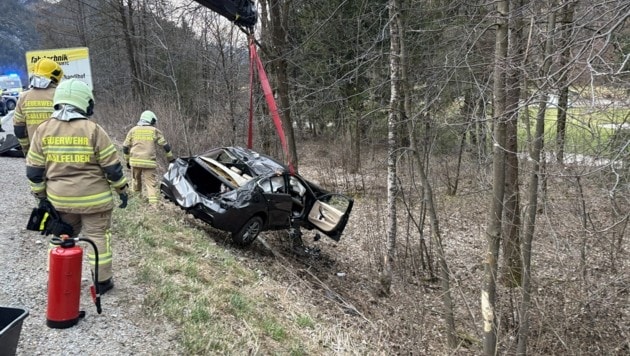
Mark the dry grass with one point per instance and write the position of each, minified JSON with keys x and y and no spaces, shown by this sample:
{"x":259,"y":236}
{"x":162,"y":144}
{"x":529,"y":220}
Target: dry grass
{"x":229,"y":300}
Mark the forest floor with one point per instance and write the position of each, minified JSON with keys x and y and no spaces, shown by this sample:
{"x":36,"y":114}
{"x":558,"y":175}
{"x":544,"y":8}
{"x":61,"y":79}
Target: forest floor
{"x":580,"y":262}
{"x":580,"y":270}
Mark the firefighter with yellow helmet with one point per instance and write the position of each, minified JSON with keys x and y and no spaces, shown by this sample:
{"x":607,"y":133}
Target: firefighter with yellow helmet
{"x":35,"y":105}
{"x":140,"y":151}
{"x":74,"y":165}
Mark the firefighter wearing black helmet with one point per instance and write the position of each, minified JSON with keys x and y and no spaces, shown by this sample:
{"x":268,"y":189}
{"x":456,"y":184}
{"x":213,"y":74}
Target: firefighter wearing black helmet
{"x":74,"y":165}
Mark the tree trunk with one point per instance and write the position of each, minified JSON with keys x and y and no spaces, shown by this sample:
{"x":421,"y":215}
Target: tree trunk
{"x":81,"y":24}
{"x":447,"y":300}
{"x":265,"y":30}
{"x":532,"y":207}
{"x":512,"y":265}
{"x":355,"y":163}
{"x":126,"y":18}
{"x":278,"y":19}
{"x":392,"y":121}
{"x":563,"y":81}
{"x":493,"y":233}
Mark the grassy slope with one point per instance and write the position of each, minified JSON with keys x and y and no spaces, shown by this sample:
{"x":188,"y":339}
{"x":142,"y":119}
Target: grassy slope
{"x":219,"y":304}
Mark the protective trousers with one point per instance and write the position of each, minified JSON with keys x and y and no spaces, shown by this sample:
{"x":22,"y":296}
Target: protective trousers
{"x":147,"y":178}
{"x":96,"y":227}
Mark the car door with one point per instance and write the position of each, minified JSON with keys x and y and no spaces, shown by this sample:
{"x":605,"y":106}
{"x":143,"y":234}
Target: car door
{"x":329,"y":214}
{"x":278,"y":201}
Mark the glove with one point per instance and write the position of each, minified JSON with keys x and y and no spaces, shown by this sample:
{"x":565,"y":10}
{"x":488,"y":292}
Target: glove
{"x":44,"y":203}
{"x":123,"y":198}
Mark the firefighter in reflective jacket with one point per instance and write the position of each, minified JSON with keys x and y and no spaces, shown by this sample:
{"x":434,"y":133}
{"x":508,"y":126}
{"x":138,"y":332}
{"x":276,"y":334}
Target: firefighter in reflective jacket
{"x":36,"y":105}
{"x":74,"y":165}
{"x":140,"y":150}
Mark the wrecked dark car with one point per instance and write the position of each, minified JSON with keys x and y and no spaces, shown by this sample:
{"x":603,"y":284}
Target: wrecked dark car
{"x":10,"y":146}
{"x":243,"y":192}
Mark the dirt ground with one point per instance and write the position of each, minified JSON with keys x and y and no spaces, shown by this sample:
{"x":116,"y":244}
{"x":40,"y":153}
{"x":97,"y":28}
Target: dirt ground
{"x":580,"y":284}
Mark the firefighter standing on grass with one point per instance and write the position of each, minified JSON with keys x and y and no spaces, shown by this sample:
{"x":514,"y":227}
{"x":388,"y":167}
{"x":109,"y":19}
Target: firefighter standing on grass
{"x":140,"y":150}
{"x":74,"y":165}
{"x":36,"y":105}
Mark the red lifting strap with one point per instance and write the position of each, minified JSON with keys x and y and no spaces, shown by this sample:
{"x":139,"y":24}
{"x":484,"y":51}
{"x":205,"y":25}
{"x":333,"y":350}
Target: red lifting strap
{"x":271,"y":102}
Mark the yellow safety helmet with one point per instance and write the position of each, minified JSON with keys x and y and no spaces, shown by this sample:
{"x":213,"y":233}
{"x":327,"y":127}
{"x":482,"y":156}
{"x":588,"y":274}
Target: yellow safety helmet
{"x":49,"y":69}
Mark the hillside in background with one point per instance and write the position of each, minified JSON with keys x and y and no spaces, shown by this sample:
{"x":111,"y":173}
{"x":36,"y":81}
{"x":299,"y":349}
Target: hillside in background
{"x":18,"y":35}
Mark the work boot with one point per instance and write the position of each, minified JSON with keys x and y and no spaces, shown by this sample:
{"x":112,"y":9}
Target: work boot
{"x":104,"y":286}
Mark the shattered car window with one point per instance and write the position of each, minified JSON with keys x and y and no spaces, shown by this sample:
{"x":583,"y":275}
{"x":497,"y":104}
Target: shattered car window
{"x":296,"y":186}
{"x":272,"y":185}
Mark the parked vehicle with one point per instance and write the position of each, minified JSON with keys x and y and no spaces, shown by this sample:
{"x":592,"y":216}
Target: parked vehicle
{"x":9,"y":102}
{"x":10,"y":88}
{"x":10,"y":84}
{"x":3,"y":107}
{"x":243,"y":192}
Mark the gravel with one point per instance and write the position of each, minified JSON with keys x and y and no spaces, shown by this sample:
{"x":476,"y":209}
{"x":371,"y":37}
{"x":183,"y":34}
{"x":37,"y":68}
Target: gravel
{"x":123,"y":328}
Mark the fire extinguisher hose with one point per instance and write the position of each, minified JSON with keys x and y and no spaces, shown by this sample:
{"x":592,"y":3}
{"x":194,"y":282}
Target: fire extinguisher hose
{"x":65,"y":240}
{"x":96,"y":295}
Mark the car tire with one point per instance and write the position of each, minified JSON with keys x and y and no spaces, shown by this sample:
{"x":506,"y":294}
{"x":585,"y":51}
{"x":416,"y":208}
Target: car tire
{"x":10,"y":105}
{"x":249,"y":232}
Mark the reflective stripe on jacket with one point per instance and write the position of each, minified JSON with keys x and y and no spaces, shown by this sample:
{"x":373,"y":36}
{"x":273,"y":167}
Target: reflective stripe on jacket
{"x":140,"y":146}
{"x":81,"y":166}
{"x":32,"y":108}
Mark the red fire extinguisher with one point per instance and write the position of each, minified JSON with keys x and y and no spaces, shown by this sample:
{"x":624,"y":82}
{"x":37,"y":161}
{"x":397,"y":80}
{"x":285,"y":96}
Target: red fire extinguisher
{"x":64,"y":282}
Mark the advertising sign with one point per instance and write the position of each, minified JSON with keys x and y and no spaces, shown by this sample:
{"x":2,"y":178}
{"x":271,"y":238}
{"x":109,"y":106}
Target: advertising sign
{"x":74,"y":61}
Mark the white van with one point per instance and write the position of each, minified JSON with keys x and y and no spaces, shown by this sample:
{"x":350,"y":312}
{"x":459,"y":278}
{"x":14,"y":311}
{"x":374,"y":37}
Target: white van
{"x":10,"y":84}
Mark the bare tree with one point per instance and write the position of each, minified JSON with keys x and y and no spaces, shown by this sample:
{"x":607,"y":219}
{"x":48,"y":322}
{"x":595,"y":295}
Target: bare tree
{"x":512,"y":266}
{"x":126,"y":12}
{"x":564,"y":39}
{"x":493,"y":230}
{"x":395,"y":105}
{"x":536,"y":149}
{"x":278,"y":26}
{"x":427,"y":193}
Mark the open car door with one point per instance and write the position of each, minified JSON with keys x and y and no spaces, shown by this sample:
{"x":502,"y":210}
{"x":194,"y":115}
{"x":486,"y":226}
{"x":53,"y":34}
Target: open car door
{"x":329,"y":214}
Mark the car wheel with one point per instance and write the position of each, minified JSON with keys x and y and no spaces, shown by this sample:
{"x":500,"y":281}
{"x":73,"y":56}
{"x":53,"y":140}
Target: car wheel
{"x":248,"y":233}
{"x":10,"y":105}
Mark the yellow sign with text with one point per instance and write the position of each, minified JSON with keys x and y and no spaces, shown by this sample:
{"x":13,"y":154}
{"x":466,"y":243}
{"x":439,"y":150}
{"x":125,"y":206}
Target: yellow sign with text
{"x":75,"y":62}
